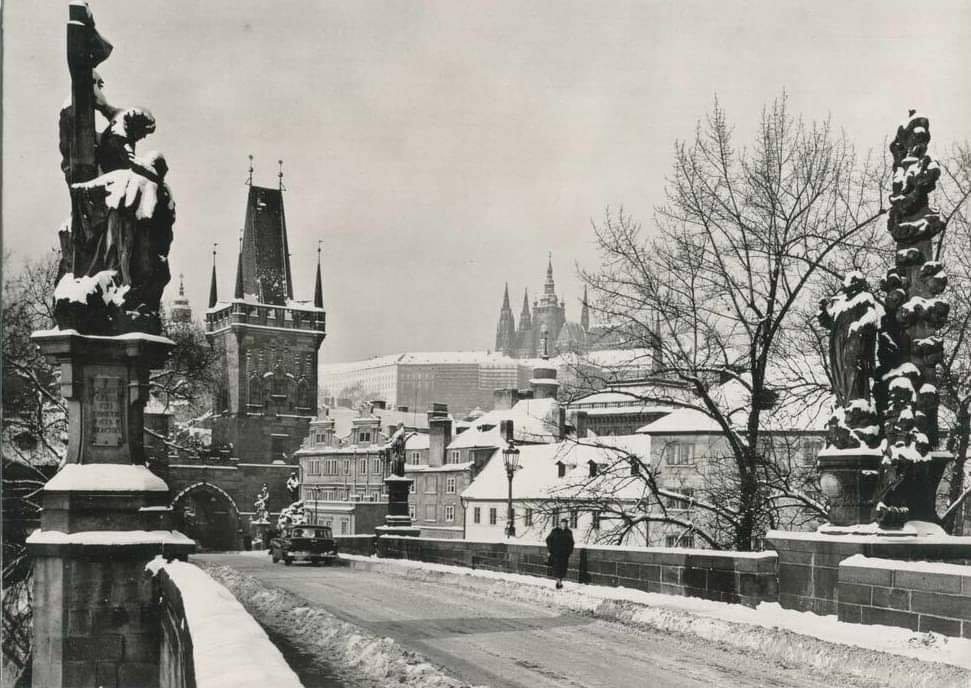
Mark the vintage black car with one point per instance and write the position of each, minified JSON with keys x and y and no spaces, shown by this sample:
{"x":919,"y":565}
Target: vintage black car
{"x":304,"y":543}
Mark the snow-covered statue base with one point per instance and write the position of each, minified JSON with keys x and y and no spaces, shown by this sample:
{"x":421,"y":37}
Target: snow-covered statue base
{"x":881,"y":463}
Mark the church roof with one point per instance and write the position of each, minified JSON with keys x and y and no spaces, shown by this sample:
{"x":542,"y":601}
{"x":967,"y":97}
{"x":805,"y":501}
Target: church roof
{"x":265,"y":260}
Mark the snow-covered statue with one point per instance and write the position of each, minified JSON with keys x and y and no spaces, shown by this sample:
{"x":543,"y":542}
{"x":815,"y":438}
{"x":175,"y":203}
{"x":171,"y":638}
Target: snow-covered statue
{"x":396,"y":450}
{"x":884,"y":357}
{"x":293,"y":486}
{"x":853,"y":318}
{"x":261,"y":507}
{"x":910,"y":348}
{"x":293,"y":515}
{"x":114,"y":249}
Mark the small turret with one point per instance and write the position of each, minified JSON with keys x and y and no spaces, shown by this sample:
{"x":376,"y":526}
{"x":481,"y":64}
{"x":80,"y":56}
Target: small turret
{"x":319,"y":285}
{"x":213,"y":295}
{"x":585,"y":312}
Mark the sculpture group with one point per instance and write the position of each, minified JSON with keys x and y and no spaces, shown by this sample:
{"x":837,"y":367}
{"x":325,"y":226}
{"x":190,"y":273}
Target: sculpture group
{"x":884,"y":354}
{"x":114,"y":251}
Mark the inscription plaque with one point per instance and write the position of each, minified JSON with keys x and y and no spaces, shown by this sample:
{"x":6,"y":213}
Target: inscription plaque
{"x":107,"y":417}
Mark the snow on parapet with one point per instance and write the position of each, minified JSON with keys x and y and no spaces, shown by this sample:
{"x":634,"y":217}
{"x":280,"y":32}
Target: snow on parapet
{"x":105,"y":477}
{"x":110,"y":537}
{"x":229,"y":648}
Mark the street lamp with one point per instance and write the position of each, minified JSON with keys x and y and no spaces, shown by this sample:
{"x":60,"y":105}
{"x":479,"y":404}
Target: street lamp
{"x":510,"y":458}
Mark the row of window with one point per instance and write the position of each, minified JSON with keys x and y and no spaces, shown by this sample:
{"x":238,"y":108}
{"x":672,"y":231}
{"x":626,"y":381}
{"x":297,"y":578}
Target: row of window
{"x":431,"y":485}
{"x":528,"y":517}
{"x":278,"y":386}
{"x":343,"y":466}
{"x":431,"y":512}
{"x":344,"y":494}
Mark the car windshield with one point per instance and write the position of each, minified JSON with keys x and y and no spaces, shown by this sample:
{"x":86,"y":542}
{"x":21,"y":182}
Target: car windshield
{"x":297,"y":532}
{"x":323,"y":533}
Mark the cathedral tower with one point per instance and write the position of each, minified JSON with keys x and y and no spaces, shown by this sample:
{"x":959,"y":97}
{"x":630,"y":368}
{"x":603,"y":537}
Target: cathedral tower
{"x":506,"y":329}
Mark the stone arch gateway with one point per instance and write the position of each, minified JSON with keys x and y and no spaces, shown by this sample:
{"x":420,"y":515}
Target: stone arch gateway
{"x":209,"y":515}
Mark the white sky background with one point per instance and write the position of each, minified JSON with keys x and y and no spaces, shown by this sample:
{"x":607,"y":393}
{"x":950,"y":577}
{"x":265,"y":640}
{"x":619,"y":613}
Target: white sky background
{"x":441,"y":148}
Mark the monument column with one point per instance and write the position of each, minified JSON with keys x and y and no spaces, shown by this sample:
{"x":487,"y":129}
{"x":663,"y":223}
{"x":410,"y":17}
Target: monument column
{"x":105,"y":515}
{"x":398,"y":520}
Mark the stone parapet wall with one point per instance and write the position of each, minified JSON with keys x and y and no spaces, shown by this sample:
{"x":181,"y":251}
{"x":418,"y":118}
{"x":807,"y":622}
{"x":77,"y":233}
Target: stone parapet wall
{"x":207,"y":638}
{"x":738,"y":577}
{"x":809,"y":562}
{"x":916,"y":595}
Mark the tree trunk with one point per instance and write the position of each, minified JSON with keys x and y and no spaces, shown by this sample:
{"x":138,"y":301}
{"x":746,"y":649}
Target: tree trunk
{"x":954,"y":524}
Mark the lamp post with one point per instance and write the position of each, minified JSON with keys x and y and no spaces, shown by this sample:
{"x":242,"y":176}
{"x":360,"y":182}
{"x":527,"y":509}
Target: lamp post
{"x":510,"y":459}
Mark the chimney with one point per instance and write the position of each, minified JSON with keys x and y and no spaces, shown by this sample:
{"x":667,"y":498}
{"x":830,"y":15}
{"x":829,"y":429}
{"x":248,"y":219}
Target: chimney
{"x":504,"y":399}
{"x":439,"y":433}
{"x":543,"y":383}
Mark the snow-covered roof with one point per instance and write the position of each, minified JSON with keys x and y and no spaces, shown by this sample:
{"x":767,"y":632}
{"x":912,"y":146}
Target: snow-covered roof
{"x":423,"y":358}
{"x":789,"y":414}
{"x":537,"y":477}
{"x":534,"y":420}
{"x":417,"y":440}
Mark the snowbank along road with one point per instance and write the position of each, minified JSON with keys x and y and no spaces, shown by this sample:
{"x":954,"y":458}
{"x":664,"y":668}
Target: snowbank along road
{"x":503,"y":643}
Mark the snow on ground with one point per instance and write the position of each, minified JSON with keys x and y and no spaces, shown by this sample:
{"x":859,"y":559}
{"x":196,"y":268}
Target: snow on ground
{"x":783,"y":634}
{"x":380,"y":660}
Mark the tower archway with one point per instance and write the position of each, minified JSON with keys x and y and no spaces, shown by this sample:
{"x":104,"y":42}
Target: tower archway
{"x":206,"y":513}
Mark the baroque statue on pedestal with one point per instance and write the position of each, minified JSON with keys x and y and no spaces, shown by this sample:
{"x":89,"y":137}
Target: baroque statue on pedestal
{"x":114,"y":250}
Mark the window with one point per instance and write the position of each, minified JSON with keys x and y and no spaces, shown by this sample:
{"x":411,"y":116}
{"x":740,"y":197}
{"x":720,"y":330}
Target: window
{"x":560,"y":469}
{"x":687,"y":541}
{"x":430,"y":512}
{"x":493,"y":516}
{"x":256,"y":391}
{"x":449,"y":512}
{"x":528,"y":519}
{"x":411,"y":511}
{"x":683,"y":502}
{"x":362,"y":467}
{"x":411,"y":488}
{"x":365,"y":436}
{"x":595,"y":520}
{"x":414,"y":457}
{"x":555,"y":516}
{"x":344,"y":526}
{"x":431,"y":484}
{"x":376,"y":466}
{"x":449,"y":485}
{"x":679,"y":453}
{"x":573,"y":518}
{"x":593,"y":468}
{"x":811,"y":447}
{"x":454,"y":456}
{"x":635,"y":467}
{"x":477,"y":515}
{"x":347,"y":466}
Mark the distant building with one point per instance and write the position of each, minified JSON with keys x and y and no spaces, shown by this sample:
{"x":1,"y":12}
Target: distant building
{"x":546,"y":320}
{"x":621,"y":409}
{"x":180,"y":310}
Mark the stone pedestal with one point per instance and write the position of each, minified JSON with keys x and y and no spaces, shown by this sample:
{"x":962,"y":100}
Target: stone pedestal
{"x":260,"y":532}
{"x":849,"y":481}
{"x":105,"y":515}
{"x":398,"y":521}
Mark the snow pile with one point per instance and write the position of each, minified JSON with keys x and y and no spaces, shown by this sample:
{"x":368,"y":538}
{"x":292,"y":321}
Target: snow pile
{"x":79,"y":289}
{"x":885,"y":653}
{"x":228,"y":647}
{"x":318,"y":633}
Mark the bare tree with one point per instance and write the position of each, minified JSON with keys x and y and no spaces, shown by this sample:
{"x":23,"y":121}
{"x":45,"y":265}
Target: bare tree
{"x":738,"y":244}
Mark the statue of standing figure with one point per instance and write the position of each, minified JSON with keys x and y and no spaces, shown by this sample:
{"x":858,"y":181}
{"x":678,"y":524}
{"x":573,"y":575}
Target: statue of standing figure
{"x":396,"y":450}
{"x":114,"y":253}
{"x":261,"y":507}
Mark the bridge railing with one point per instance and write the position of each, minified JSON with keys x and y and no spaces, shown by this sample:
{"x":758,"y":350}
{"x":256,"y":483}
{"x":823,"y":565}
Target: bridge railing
{"x":208,"y":640}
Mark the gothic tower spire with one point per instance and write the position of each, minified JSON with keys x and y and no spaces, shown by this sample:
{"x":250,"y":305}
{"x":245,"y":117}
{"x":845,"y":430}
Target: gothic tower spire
{"x":549,"y":287}
{"x":585,"y":312}
{"x":238,"y":293}
{"x":526,"y":317}
{"x":319,"y":286}
{"x":213,"y":296}
{"x":506,"y":329}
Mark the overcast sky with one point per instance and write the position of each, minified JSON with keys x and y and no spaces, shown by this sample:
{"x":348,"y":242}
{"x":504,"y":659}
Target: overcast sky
{"x":440,"y":149}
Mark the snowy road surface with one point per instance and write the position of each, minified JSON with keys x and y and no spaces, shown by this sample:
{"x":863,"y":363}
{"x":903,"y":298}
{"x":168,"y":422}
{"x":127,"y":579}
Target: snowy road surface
{"x":514,"y":644}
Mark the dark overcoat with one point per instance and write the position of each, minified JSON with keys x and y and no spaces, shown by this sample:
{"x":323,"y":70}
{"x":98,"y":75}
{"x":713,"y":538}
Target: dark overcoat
{"x":560,"y":545}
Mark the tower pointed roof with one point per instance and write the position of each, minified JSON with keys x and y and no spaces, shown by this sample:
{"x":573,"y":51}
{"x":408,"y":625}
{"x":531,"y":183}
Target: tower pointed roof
{"x":319,"y":284}
{"x":585,"y":311}
{"x":505,"y":299}
{"x":213,"y":294}
{"x":238,"y":292}
{"x":525,"y":318}
{"x":549,"y":287}
{"x":265,"y":256}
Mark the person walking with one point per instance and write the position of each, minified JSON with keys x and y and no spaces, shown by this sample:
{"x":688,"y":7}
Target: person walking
{"x":560,"y":545}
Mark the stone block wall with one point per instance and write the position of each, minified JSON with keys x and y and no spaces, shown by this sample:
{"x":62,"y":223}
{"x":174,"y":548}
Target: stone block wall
{"x":916,"y":595}
{"x":737,"y":577}
{"x":809,"y":562}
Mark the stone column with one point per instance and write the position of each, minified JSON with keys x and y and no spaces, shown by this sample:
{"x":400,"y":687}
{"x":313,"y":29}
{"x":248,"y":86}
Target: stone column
{"x":398,"y":521}
{"x":105,"y":515}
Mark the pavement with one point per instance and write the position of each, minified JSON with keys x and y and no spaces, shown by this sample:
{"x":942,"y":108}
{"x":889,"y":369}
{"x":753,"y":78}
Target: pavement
{"x":507,"y":643}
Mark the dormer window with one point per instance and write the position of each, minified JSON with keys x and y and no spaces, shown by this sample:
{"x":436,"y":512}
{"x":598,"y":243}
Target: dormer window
{"x":593,"y":468}
{"x":635,"y":467}
{"x":560,"y":469}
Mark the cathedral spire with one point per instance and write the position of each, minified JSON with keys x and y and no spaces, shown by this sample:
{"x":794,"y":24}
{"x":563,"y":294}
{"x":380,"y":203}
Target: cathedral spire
{"x":585,"y":312}
{"x":213,"y":297}
{"x":526,"y":317}
{"x":549,"y":287}
{"x":505,"y":299}
{"x":319,"y":286}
